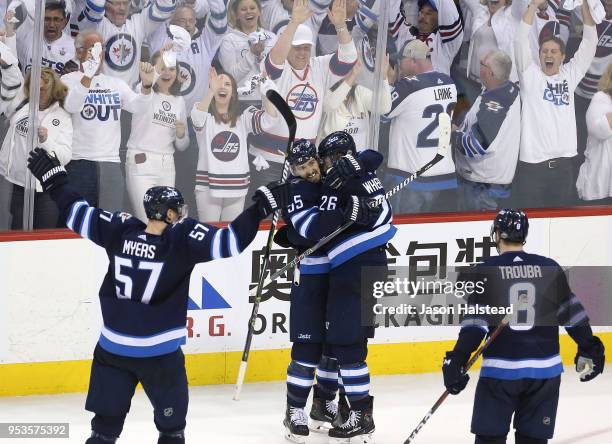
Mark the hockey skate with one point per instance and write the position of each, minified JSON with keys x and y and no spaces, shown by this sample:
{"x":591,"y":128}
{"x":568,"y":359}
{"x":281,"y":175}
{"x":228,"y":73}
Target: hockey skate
{"x":358,"y":427}
{"x":322,"y":415}
{"x":296,"y":425}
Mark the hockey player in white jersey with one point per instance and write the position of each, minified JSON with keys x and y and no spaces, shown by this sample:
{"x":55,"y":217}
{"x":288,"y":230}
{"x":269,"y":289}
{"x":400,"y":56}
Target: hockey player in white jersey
{"x":487,"y":142}
{"x":123,"y":35}
{"x":58,"y":46}
{"x":545,"y":175}
{"x":196,"y":55}
{"x":303,"y":81}
{"x":417,"y":101}
{"x":440,"y":27}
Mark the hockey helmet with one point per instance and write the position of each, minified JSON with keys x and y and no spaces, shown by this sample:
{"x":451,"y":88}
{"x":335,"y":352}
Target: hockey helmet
{"x":512,"y":226}
{"x":301,"y":152}
{"x":338,"y":142}
{"x":158,"y":200}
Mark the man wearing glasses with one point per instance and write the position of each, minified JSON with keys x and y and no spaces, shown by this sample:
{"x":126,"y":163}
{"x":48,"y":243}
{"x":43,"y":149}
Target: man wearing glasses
{"x":487,"y":142}
{"x":58,"y":46}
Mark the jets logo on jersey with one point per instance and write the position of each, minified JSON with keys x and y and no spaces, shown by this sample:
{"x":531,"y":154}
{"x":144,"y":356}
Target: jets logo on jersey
{"x":225,"y":146}
{"x":187,"y":77}
{"x":557,"y":93}
{"x":367,"y":53}
{"x":120,"y":52}
{"x":494,"y":106}
{"x":21,"y":127}
{"x":303,"y":101}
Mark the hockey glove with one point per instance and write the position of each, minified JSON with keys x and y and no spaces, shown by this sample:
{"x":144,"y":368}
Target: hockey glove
{"x":453,"y":366}
{"x":281,"y":237}
{"x":362,"y":210}
{"x":341,"y":171}
{"x":272,"y":197}
{"x":47,"y":169}
{"x":590,"y":360}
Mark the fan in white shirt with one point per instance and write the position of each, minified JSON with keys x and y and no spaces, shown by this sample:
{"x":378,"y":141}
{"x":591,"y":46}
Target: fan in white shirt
{"x":154,"y":136}
{"x":347,"y":106}
{"x":595,"y":177}
{"x":222,"y":177}
{"x":96,"y":102}
{"x":58,"y":46}
{"x":545,"y":175}
{"x":244,"y":48}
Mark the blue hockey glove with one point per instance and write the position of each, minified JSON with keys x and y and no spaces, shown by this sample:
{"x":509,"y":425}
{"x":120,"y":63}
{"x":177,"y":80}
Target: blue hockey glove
{"x":453,"y":366}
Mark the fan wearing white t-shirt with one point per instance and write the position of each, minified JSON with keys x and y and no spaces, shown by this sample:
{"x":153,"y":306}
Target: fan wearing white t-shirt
{"x":96,"y":102}
{"x":545,"y":176}
{"x":154,"y":136}
{"x":222,"y":176}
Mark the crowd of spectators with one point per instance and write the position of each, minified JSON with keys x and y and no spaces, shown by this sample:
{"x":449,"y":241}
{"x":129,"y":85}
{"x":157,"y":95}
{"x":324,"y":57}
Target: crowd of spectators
{"x":137,"y":93}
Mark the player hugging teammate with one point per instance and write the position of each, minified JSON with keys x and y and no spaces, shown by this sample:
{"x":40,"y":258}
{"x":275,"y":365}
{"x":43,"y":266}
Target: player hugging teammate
{"x":326,"y":325}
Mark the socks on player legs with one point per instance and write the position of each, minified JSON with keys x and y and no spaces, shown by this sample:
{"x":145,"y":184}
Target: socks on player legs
{"x":300,"y":377}
{"x":327,"y":378}
{"x":356,"y":382}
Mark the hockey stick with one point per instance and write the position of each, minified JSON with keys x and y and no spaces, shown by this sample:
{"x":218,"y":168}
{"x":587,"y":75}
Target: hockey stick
{"x":469,"y":365}
{"x":283,"y":108}
{"x":444,"y":123}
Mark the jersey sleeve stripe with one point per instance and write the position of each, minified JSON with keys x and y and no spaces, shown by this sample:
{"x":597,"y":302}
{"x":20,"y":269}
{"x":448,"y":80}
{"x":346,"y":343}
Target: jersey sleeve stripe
{"x":86,"y":225}
{"x":154,"y":17}
{"x":167,"y":9}
{"x":384,"y":216}
{"x":215,"y":247}
{"x":95,"y":7}
{"x":297,"y":217}
{"x":338,"y":67}
{"x":73,"y":213}
{"x":274,"y":71}
{"x":303,"y":228}
{"x":92,"y":18}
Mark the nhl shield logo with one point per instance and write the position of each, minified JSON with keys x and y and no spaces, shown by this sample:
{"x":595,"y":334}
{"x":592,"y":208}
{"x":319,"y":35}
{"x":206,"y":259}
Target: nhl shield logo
{"x":546,"y":420}
{"x":168,"y":412}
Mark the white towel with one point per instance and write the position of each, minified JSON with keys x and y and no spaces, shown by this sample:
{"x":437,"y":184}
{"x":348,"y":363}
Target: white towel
{"x":595,"y":6}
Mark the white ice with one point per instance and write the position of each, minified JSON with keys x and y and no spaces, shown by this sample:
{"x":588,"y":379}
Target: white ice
{"x":584,"y":415}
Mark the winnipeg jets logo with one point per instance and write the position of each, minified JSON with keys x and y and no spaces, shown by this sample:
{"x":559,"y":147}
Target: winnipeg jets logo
{"x":303,"y":101}
{"x":187,"y":78}
{"x":120,"y":52}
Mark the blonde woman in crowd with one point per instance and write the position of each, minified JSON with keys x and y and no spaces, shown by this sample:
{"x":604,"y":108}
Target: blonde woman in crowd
{"x":155,"y":135}
{"x":347,"y":106}
{"x":246,"y":45}
{"x":595,"y":177}
{"x":54,"y":135}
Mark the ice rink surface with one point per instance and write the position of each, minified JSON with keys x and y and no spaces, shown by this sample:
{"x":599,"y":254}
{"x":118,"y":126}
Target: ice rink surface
{"x":584,"y":416}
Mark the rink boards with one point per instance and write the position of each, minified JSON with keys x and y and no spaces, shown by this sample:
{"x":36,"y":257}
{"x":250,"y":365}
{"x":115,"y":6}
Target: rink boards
{"x":50,"y":321}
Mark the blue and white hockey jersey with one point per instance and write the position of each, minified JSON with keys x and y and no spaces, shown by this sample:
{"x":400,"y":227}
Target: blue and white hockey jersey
{"x":144,"y":294}
{"x":529,"y":346}
{"x":318,"y":221}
